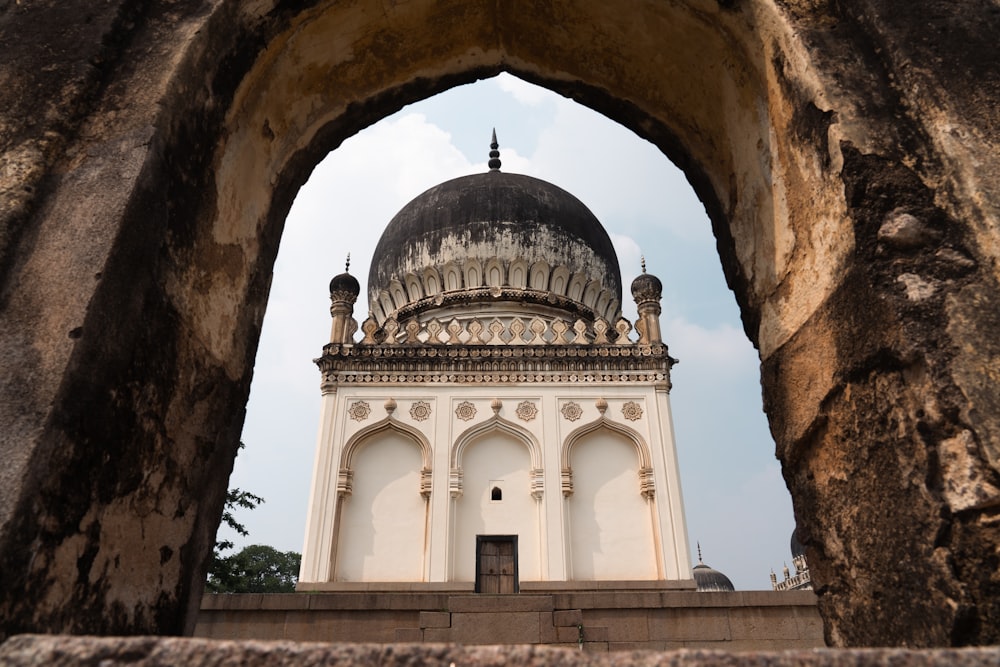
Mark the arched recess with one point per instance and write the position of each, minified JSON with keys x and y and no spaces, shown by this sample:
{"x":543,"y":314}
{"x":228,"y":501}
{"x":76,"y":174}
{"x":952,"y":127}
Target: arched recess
{"x":496,"y":455}
{"x":380,"y":524}
{"x":496,"y":423}
{"x":607,"y":482}
{"x":387,"y":424}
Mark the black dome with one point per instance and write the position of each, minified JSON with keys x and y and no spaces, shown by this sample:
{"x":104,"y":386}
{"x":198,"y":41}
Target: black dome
{"x":710,"y":580}
{"x":796,"y":546}
{"x":345,"y":283}
{"x":494,"y":214}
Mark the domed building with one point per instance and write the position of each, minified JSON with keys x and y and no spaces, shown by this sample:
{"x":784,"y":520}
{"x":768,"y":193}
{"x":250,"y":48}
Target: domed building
{"x":496,"y":425}
{"x":710,"y":580}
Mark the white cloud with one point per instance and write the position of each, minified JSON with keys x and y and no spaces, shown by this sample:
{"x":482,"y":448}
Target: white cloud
{"x":720,"y":348}
{"x":527,"y":94}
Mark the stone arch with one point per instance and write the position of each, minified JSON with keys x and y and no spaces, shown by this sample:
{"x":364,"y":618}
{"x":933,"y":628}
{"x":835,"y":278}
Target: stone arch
{"x":577,"y":284}
{"x":610,"y":519}
{"x":494,"y":273}
{"x":387,"y":424}
{"x":452,"y":275}
{"x":539,"y":276}
{"x":432,"y":281}
{"x":590,"y":294}
{"x":643,"y":455}
{"x":559,"y":282}
{"x":496,"y":423}
{"x":517,"y":274}
{"x":799,"y":155}
{"x":473,"y":271}
{"x":399,"y":297}
{"x":414,"y":287}
{"x":382,"y":537}
{"x":475,"y":460}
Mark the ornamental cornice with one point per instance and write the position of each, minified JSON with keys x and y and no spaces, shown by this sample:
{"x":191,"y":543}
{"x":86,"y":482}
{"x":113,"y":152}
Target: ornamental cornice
{"x":402,"y":364}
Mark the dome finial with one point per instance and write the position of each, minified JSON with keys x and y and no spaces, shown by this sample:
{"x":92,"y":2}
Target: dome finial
{"x":494,"y":163}
{"x":699,"y":553}
{"x":347,"y":266}
{"x":642,"y":261}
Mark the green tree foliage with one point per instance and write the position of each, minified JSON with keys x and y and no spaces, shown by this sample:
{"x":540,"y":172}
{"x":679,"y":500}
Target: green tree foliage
{"x":257,"y":569}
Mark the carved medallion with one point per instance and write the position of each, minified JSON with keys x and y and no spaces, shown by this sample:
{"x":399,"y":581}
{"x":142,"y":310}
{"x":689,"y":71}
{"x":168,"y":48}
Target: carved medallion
{"x":526,"y":411}
{"x":632,"y":411}
{"x":465,"y":411}
{"x":359,"y":411}
{"x":420,"y":410}
{"x":572,"y":411}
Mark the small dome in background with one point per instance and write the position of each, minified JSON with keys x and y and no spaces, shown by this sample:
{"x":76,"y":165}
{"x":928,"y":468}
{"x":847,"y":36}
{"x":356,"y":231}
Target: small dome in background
{"x":709,"y":580}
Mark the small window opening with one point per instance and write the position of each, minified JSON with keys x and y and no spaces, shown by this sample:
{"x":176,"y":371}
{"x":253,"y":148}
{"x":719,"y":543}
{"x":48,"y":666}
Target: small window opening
{"x":496,"y":493}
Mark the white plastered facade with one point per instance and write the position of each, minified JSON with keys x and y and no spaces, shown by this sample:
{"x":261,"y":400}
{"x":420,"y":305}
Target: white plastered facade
{"x":587,"y":476}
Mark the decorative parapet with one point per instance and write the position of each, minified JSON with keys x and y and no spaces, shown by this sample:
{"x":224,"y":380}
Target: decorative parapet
{"x":496,"y":331}
{"x":795,"y":582}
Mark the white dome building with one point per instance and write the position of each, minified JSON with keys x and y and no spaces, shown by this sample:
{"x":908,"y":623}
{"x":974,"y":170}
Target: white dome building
{"x":498,"y":426}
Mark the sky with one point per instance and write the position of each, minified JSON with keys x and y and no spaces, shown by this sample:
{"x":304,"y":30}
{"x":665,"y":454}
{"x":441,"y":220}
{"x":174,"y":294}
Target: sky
{"x":735,"y":500}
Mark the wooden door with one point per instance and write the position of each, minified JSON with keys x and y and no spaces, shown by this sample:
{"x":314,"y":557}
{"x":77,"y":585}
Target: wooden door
{"x":496,"y":564}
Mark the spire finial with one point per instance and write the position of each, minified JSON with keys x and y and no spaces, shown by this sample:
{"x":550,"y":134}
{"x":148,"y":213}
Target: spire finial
{"x":642,"y":260}
{"x":699,"y":553}
{"x":347,"y":267}
{"x":494,"y":163}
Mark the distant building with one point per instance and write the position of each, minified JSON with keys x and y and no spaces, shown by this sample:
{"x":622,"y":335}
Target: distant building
{"x":800,"y":579}
{"x":710,"y":580}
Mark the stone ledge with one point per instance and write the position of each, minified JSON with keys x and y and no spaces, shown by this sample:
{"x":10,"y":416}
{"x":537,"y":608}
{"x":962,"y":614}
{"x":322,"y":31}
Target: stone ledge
{"x":671,"y":585}
{"x":67,"y":651}
{"x":385,"y":587}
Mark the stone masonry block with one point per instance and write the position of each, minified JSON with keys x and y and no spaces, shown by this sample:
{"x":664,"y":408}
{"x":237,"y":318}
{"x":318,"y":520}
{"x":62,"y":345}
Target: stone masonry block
{"x":435,"y":619}
{"x":409,"y":635}
{"x":496,"y":603}
{"x":624,"y":625}
{"x":689,"y":624}
{"x":762,"y":623}
{"x":567,"y":617}
{"x":495,"y":628}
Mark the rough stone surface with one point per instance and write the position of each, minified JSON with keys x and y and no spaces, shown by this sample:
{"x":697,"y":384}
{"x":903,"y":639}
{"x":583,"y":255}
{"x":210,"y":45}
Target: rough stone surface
{"x":150,"y":152}
{"x":56,"y":651}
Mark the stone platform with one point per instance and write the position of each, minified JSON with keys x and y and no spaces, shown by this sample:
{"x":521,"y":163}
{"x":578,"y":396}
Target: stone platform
{"x":594,"y":620}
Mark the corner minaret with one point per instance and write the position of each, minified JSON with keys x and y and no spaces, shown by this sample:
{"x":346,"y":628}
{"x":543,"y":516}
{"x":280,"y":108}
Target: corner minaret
{"x":344,"y":290}
{"x":647,"y":290}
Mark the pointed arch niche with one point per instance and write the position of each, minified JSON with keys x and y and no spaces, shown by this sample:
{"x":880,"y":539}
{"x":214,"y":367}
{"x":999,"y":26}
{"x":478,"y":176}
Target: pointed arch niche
{"x":382,"y":509}
{"x":610,"y":504}
{"x":496,"y":459}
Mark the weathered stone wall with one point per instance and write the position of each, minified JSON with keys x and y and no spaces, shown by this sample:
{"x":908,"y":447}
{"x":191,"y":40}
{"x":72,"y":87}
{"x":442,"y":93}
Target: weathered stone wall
{"x":846,"y":152}
{"x":606,"y":620}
